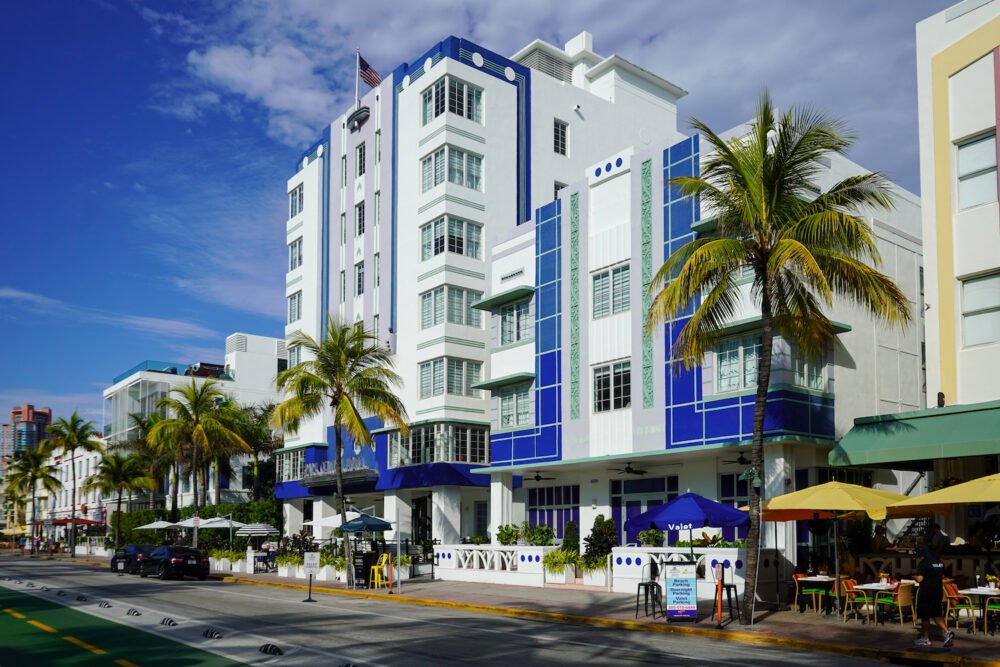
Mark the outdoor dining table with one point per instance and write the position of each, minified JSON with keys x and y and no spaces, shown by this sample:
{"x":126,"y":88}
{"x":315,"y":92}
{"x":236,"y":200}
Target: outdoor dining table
{"x":981,"y":592}
{"x":824,"y":579}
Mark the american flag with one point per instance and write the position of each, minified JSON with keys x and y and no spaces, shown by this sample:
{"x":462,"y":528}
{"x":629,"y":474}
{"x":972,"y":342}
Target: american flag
{"x":368,"y":73}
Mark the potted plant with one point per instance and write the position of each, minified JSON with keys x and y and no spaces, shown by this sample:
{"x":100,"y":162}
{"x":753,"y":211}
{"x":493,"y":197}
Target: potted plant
{"x":602,"y":539}
{"x":540,"y":536}
{"x":508,"y":534}
{"x":651,"y":538}
{"x":402,"y":568}
{"x":287,"y":564}
{"x":560,"y":566}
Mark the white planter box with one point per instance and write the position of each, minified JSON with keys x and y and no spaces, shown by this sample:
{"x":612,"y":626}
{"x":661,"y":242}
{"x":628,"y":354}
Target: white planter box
{"x":567,"y":576}
{"x":327,"y":573}
{"x":240,"y":566}
{"x":401,"y":573}
{"x":213,"y":563}
{"x":286,"y":570}
{"x":596,"y":578}
{"x":223,"y":564}
{"x":300,"y":572}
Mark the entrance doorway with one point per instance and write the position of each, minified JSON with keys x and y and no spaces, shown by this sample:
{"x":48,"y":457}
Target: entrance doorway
{"x":421,"y":514}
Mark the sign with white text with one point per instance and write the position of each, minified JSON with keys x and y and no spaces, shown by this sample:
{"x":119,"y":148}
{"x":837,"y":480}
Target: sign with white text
{"x":682,"y":590}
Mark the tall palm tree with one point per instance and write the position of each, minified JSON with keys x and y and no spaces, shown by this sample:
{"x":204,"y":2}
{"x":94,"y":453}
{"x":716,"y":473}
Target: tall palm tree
{"x":255,"y":427}
{"x":350,"y":372}
{"x":158,"y":462}
{"x":802,"y":247}
{"x":202,"y":422}
{"x":28,"y":470}
{"x":65,"y":436}
{"x":119,"y":473}
{"x":220,"y":452}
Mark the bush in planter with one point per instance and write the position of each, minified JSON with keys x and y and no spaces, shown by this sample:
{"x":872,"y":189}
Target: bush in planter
{"x":602,"y":539}
{"x":571,"y":538}
{"x":540,"y":536}
{"x":651,"y":538}
{"x":289,"y":560}
{"x":557,"y":560}
{"x":233,"y":556}
{"x":508,"y":534}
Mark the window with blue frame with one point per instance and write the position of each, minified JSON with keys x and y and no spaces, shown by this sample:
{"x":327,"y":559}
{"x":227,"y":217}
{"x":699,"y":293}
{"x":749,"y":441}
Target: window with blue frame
{"x":452,"y":443}
{"x":734,"y":490}
{"x":554,"y":506}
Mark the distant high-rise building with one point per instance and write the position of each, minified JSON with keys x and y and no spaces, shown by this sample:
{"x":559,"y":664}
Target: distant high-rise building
{"x":24,"y":431}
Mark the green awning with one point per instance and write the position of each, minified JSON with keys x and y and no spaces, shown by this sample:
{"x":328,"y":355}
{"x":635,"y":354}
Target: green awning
{"x":921,"y":435}
{"x":753,"y":323}
{"x":516,"y":378}
{"x":507,"y":296}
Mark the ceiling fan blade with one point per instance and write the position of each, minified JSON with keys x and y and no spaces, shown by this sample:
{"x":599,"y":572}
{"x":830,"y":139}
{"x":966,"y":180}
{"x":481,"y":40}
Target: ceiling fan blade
{"x":639,"y":472}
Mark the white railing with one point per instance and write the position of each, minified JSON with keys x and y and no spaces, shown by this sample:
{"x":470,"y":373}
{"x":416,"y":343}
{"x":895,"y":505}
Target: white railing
{"x":630,"y":565}
{"x":490,"y":563}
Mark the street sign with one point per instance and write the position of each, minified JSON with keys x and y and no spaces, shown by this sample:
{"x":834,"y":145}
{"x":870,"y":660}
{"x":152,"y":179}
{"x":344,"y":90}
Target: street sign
{"x":682,"y":590}
{"x":311,"y":563}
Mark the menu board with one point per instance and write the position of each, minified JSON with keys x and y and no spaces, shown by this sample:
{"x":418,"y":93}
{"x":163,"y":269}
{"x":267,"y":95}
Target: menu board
{"x":682,"y":590}
{"x":360,"y":571}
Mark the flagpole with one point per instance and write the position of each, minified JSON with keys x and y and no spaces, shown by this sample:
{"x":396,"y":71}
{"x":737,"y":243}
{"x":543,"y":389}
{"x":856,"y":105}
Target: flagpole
{"x":357,"y":75}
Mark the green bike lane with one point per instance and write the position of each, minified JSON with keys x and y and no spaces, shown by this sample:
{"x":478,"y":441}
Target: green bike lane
{"x":34,"y":631}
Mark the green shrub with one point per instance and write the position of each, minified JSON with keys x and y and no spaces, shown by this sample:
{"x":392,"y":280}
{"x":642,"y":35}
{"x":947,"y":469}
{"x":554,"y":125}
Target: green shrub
{"x":540,"y":536}
{"x":557,"y":560}
{"x":288,"y":560}
{"x":233,"y":556}
{"x":571,"y":537}
{"x":508,"y":534}
{"x":651,"y":538}
{"x":602,"y":539}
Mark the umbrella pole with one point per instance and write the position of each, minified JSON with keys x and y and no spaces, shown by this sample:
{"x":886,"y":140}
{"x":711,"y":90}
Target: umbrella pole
{"x":836,"y":566}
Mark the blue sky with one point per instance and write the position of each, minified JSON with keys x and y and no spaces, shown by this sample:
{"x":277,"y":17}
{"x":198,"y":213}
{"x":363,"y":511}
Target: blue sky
{"x":145,"y":146}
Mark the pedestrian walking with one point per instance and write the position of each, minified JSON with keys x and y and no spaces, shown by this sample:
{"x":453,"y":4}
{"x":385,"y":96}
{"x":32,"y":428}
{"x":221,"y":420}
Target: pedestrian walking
{"x":930,"y":576}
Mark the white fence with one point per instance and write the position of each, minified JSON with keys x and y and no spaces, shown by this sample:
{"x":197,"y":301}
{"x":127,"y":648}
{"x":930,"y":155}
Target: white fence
{"x":491,"y":564}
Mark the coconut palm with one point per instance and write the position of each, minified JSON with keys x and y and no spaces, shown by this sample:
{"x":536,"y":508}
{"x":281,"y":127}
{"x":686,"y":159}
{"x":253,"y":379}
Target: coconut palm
{"x":202,"y":422}
{"x":158,"y":462}
{"x":28,"y":470}
{"x":350,"y":372}
{"x":119,"y":473}
{"x":65,"y":436}
{"x":255,"y":427}
{"x":802,"y":246}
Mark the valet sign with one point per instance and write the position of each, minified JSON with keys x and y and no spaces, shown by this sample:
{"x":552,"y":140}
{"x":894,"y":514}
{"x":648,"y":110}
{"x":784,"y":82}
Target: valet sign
{"x":682,"y":590}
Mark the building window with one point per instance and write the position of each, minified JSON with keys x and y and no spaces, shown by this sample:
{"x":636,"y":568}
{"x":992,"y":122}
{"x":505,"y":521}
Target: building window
{"x":554,"y":506}
{"x":359,"y":279}
{"x":378,"y":270}
{"x":734,"y":490}
{"x":295,"y":307}
{"x":465,"y":168}
{"x":359,"y":219}
{"x":463,"y":238}
{"x":736,"y":361}
{"x":516,"y":323}
{"x":613,"y":386}
{"x":378,"y":146}
{"x":462,"y":374}
{"x":460,"y":310}
{"x":515,"y":406}
{"x":378,"y":209}
{"x":438,"y":442}
{"x":295,"y":202}
{"x":343,"y":229}
{"x":560,"y":137}
{"x":295,"y":254}
{"x":432,"y":378}
{"x":294,"y":356}
{"x":977,"y":172}
{"x":343,"y":287}
{"x":462,"y":99}
{"x":359,"y":160}
{"x":432,"y":170}
{"x":556,"y":188}
{"x":290,"y":466}
{"x":611,"y":291}
{"x":343,"y":170}
{"x":432,"y":308}
{"x":981,"y":310}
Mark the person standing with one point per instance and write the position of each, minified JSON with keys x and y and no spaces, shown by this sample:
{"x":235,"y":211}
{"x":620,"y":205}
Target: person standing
{"x":930,"y":576}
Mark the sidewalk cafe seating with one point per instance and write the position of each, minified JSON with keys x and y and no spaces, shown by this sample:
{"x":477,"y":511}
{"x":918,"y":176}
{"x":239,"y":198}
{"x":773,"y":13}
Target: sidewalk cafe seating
{"x":991,"y":616}
{"x":855,"y":598}
{"x":832,"y":596}
{"x":808,"y":589}
{"x":651,"y":590}
{"x":376,"y":578}
{"x":956,"y":604}
{"x":899,"y":600}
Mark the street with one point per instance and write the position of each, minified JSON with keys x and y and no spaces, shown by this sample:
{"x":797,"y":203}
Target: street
{"x":333,"y":630}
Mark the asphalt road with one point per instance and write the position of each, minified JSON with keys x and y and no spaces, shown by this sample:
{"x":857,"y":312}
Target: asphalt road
{"x":334,"y":630}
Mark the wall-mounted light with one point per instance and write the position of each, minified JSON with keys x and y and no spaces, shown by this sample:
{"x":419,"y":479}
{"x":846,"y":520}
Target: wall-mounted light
{"x":593,"y":503}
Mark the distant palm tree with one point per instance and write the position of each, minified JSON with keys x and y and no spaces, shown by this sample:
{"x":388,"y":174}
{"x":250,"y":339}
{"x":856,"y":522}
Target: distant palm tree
{"x":255,"y":427}
{"x":350,"y":372}
{"x":201,"y":423}
{"x":65,"y":436}
{"x":157,"y":461}
{"x":24,"y":475}
{"x":802,"y":247}
{"x":17,"y":501}
{"x":119,"y":473}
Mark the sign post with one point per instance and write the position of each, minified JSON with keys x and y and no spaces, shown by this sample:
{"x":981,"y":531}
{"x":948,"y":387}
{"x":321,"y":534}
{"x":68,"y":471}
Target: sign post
{"x":311,"y":566}
{"x":682,"y":591}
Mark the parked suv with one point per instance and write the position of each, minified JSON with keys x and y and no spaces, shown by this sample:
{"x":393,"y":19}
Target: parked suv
{"x":176,"y":562}
{"x":129,"y":557}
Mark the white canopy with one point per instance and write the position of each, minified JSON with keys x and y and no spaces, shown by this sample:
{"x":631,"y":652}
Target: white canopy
{"x":156,"y":525}
{"x":214,"y":522}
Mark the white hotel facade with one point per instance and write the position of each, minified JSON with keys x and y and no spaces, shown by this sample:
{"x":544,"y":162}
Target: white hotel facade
{"x":496,"y":221}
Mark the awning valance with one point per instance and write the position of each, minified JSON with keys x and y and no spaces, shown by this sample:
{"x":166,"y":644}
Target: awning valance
{"x":495,"y":383}
{"x":507,"y":296}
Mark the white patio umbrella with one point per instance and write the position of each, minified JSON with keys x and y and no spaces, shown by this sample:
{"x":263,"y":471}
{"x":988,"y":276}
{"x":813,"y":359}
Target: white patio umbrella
{"x":257,"y":530}
{"x":221,"y":522}
{"x":157,"y":525}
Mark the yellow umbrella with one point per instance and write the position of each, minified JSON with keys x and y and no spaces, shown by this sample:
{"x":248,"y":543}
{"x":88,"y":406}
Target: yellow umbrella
{"x":832,"y":497}
{"x":982,"y":490}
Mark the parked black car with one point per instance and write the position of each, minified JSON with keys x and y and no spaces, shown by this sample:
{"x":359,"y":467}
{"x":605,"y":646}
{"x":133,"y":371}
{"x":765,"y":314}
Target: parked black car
{"x":167,"y":561}
{"x":128,"y":558}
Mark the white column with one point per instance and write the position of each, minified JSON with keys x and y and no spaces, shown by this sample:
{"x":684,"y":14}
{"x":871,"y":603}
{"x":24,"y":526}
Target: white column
{"x":322,"y":509}
{"x":292,"y":510}
{"x":501,"y":500}
{"x":446,"y":514}
{"x":396,"y":508}
{"x":779,"y":466}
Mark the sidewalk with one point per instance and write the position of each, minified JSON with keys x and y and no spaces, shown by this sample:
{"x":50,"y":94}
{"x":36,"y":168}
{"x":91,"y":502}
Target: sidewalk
{"x":809,"y":631}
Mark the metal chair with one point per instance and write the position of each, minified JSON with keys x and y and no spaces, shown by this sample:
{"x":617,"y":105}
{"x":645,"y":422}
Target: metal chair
{"x":957,"y":603}
{"x":991,"y":610}
{"x":650,"y":588}
{"x":899,"y":599}
{"x":854,"y":598}
{"x":375,"y":574}
{"x":812,"y":591}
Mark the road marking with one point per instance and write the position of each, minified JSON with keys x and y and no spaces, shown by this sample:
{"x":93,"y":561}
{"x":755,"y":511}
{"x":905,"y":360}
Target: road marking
{"x":84,"y":645}
{"x":125,"y":663}
{"x":14,"y":613}
{"x":41,"y":626}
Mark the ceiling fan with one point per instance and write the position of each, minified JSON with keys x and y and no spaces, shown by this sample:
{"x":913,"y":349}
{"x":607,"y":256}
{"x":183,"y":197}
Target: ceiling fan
{"x":740,"y":460}
{"x":538,"y":477}
{"x":628,"y":470}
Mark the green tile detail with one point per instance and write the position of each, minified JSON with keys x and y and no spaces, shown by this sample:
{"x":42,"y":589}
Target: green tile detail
{"x":574,"y":306}
{"x":646,"y":224}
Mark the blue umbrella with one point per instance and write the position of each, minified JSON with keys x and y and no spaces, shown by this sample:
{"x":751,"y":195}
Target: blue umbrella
{"x":366,"y":524}
{"x":687,"y":512}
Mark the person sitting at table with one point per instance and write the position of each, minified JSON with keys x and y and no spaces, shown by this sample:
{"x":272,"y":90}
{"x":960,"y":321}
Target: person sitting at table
{"x":930,"y":576}
{"x":881,"y":542}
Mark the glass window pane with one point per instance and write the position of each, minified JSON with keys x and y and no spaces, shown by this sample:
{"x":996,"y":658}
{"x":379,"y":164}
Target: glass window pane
{"x":473,"y":178}
{"x":472,"y":375}
{"x":622,"y":385}
{"x":428,"y":106}
{"x":426,"y":310}
{"x":601,"y":295}
{"x":977,"y":155}
{"x":439,"y":305}
{"x":602,"y":389}
{"x":751,"y":360}
{"x":456,"y":166}
{"x":981,"y":328}
{"x":456,"y":236}
{"x":427,"y":174}
{"x":727,"y":359}
{"x":619,"y":289}
{"x":523,"y":405}
{"x":438,"y":377}
{"x":507,"y":404}
{"x":456,"y":305}
{"x":456,"y":97}
{"x":981,"y":293}
{"x":439,"y":100}
{"x":507,"y":325}
{"x":978,"y":189}
{"x":425,"y":380}
{"x":439,"y":167}
{"x":455,"y":379}
{"x":473,"y":234}
{"x":475,"y":110}
{"x":472,"y":315}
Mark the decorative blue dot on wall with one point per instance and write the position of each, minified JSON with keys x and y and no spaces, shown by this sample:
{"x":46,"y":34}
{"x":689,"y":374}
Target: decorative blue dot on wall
{"x":628,"y":561}
{"x":522,"y":558}
{"x":714,"y":562}
{"x":538,"y":559}
{"x":638,"y":561}
{"x":449,"y":555}
{"x":597,"y":172}
{"x":618,"y":162}
{"x":618,"y":560}
{"x":739,"y":564}
{"x":607,"y":167}
{"x":725,"y":564}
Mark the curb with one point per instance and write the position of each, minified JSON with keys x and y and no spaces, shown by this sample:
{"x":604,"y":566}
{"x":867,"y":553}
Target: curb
{"x":910,"y":657}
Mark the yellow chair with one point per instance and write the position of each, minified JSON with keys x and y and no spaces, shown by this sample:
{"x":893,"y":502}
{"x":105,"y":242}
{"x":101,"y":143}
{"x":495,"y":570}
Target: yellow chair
{"x":375,"y":575}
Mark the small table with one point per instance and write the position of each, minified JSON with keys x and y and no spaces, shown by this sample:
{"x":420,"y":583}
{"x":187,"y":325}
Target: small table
{"x":982,"y":592}
{"x":827,"y":581}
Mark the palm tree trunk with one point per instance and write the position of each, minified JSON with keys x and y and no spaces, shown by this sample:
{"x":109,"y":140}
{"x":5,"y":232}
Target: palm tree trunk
{"x":757,"y":456}
{"x":256,"y":476}
{"x":72,"y":503}
{"x":194,"y":474}
{"x":34,"y":515}
{"x":118,"y":521}
{"x":218,"y":482}
{"x":175,"y":470}
{"x":343,"y":504}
